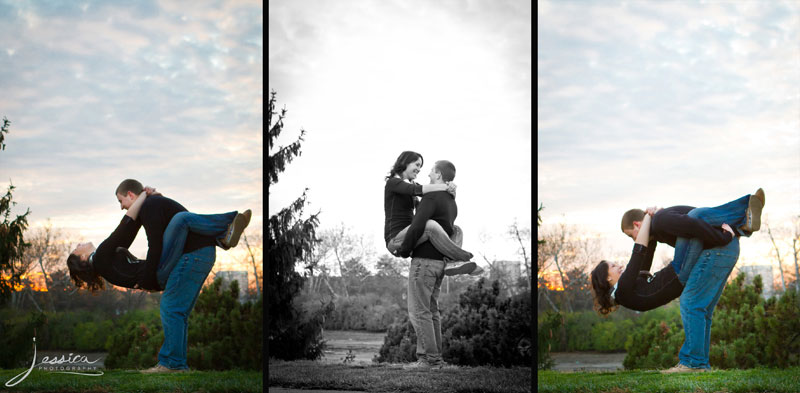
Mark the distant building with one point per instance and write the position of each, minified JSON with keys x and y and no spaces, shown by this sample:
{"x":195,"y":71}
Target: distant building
{"x":511,"y":270}
{"x":228,"y":276}
{"x":765,"y":271}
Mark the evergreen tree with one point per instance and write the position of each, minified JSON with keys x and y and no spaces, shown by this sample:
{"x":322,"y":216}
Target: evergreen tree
{"x":12,"y":245}
{"x":291,"y":240}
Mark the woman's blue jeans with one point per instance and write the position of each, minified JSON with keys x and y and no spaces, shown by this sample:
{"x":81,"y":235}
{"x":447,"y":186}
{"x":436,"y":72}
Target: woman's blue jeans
{"x":175,"y":236}
{"x":687,"y":251}
{"x":700,"y":297}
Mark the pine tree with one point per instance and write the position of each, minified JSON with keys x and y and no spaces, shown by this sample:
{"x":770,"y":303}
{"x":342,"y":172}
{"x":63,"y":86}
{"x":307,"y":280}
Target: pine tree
{"x":12,"y":245}
{"x":291,"y":240}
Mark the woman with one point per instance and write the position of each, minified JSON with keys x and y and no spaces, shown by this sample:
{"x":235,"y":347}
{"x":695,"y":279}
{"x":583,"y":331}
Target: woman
{"x":401,"y":198}
{"x":633,"y":286}
{"x":111,"y":260}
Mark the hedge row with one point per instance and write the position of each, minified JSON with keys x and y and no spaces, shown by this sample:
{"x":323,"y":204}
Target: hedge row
{"x":223,"y":334}
{"x":747,"y":332}
{"x":483,"y":329}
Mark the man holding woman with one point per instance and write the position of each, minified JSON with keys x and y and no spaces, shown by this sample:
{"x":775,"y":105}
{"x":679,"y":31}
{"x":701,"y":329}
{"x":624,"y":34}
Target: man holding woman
{"x":180,"y":256}
{"x":706,"y":242}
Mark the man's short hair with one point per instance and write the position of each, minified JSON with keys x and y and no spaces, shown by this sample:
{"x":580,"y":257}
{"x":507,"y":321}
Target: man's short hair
{"x":129,"y":185}
{"x":446,"y":168}
{"x":630,"y":216}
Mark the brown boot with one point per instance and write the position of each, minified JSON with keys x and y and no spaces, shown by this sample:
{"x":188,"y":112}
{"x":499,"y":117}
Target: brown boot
{"x":753,"y":214}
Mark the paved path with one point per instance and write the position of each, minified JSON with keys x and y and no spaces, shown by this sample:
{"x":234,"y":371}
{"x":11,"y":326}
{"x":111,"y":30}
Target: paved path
{"x":284,"y":390}
{"x":587,"y":361}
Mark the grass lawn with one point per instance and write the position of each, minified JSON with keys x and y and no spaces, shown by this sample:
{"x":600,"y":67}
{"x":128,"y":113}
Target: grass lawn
{"x":133,"y":381}
{"x":730,"y":381}
{"x":304,"y":374}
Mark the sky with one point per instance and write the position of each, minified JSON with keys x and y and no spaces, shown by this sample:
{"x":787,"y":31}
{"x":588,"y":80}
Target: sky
{"x":158,"y":91}
{"x":369,"y":79}
{"x":644,"y":103}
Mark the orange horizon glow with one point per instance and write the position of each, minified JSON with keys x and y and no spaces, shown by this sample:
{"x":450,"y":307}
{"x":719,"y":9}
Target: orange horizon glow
{"x":552,"y":280}
{"x":36,"y":281}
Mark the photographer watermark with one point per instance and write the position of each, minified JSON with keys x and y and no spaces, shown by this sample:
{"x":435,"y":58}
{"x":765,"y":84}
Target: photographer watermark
{"x":64,"y":365}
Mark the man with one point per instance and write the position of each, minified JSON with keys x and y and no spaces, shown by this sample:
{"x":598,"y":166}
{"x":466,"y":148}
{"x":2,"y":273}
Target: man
{"x":701,"y":246}
{"x":427,"y":267}
{"x":182,"y":282}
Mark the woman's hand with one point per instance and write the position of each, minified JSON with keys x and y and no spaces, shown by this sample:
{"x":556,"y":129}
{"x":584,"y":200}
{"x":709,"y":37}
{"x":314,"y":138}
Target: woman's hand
{"x":451,"y":188}
{"x":652,"y":210}
{"x":727,"y":227}
{"x":151,"y":191}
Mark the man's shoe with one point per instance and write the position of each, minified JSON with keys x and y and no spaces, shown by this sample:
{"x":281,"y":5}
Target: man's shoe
{"x":222,"y":245}
{"x":753,"y":214}
{"x":159,"y":369}
{"x":456,"y":268}
{"x":236,"y":228}
{"x":420,"y":364}
{"x":682,"y":368}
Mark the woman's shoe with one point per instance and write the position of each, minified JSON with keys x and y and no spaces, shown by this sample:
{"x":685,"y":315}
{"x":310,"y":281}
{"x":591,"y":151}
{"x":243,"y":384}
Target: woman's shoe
{"x":456,"y":268}
{"x":236,"y":228}
{"x":753,"y":213}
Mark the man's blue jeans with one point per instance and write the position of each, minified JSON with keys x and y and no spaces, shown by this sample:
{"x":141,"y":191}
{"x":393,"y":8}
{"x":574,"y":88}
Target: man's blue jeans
{"x":177,"y":301}
{"x":687,"y":250}
{"x":424,"y":282}
{"x":175,"y":236}
{"x":700,"y":297}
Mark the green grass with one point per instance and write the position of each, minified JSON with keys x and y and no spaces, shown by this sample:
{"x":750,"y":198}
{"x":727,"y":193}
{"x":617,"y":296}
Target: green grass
{"x":730,"y":381}
{"x":392,"y":378}
{"x":133,"y":381}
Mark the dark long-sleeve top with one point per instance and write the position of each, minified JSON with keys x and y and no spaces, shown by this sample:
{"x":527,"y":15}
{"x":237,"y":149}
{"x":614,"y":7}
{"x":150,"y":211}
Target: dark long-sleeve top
{"x":439,"y":206}
{"x":638,"y":290}
{"x":112,"y":265}
{"x":673,"y":222}
{"x":399,"y":200}
{"x":155,"y":214}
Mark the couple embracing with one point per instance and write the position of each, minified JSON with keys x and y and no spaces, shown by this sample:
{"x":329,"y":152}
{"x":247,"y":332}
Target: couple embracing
{"x":180,"y":255}
{"x":706,"y":242}
{"x":431,"y":238}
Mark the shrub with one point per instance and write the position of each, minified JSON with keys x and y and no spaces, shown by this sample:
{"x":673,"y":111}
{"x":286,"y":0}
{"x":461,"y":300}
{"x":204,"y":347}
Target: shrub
{"x":484,"y":329}
{"x":400,"y":343}
{"x":16,"y":337}
{"x":135,"y":342}
{"x":369,"y":312}
{"x":223,"y":334}
{"x":747,"y":332}
{"x":546,"y":327}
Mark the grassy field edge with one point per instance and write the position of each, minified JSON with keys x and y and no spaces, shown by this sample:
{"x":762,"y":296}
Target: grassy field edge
{"x":134,"y":381}
{"x":731,"y":381}
{"x":372,"y":377}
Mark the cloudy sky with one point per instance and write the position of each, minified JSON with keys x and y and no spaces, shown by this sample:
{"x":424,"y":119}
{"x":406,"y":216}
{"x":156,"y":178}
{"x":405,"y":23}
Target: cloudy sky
{"x":666,"y":103}
{"x":165,"y":92}
{"x":370,"y":79}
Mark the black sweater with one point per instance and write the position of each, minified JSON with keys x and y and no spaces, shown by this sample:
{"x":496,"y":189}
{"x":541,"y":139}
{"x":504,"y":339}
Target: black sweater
{"x":673,"y":222}
{"x":155,"y":215}
{"x":439,"y":206}
{"x":398,"y":205}
{"x":112,"y":265}
{"x":638,"y":290}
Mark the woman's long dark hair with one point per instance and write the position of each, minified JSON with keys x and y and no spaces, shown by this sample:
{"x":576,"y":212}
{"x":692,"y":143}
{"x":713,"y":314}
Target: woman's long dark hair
{"x":83,"y":275}
{"x":406,"y":157}
{"x":601,"y":289}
